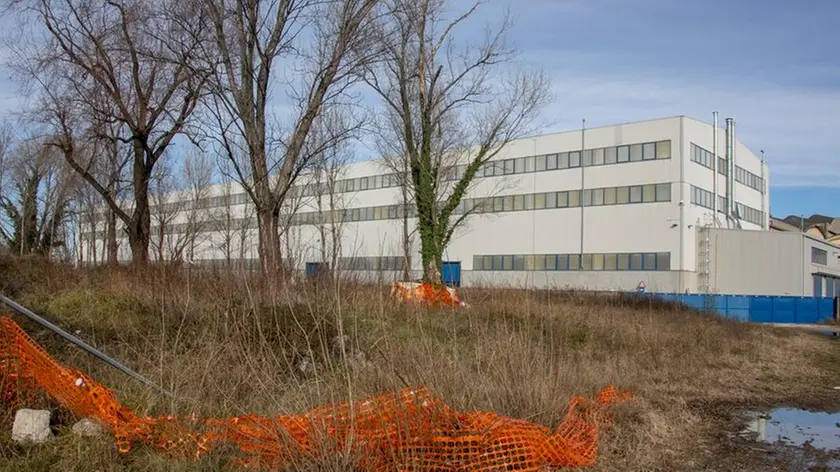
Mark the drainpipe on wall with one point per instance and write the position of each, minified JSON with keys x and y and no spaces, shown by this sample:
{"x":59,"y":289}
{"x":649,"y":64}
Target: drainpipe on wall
{"x":582,"y":188}
{"x":714,"y":168}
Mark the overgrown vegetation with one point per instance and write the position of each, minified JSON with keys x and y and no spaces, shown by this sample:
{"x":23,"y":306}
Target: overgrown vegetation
{"x":227,"y":345}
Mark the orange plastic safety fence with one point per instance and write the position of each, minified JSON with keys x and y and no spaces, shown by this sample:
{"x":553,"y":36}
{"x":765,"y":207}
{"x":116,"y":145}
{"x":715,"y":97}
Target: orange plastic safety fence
{"x":426,"y":294}
{"x":411,"y":429}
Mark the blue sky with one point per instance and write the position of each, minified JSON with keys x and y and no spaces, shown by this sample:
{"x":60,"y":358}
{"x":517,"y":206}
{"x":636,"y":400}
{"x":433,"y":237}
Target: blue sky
{"x":773,"y":65}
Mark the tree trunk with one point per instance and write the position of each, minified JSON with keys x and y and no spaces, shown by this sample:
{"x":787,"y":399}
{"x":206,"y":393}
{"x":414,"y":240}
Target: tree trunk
{"x":111,"y":238}
{"x":271,"y":259}
{"x":430,"y":254}
{"x":138,"y":227}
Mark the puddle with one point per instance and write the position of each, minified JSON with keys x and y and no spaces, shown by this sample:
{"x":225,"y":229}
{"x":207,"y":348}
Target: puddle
{"x":796,"y":427}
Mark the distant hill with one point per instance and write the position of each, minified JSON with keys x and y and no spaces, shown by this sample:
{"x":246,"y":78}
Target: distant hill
{"x":795,"y":220}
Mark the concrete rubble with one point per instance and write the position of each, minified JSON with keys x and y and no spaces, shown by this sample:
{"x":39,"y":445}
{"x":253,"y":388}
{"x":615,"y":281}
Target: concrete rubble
{"x":31,"y":427}
{"x":86,"y":428}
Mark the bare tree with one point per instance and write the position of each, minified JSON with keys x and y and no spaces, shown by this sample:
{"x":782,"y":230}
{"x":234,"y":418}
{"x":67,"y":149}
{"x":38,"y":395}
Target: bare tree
{"x":326,"y":42}
{"x":447,"y":113}
{"x":198,"y":176}
{"x":130,"y":63}
{"x":330,"y":205}
{"x":37,"y":201}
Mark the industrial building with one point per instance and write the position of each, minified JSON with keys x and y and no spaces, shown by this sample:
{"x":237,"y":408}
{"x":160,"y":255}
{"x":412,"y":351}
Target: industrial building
{"x":676,"y":204}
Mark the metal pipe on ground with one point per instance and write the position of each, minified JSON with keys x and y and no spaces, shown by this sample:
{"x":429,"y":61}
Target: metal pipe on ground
{"x":22,"y":310}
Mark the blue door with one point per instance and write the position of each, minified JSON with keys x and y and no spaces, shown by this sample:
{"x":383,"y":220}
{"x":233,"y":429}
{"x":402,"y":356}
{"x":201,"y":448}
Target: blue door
{"x":818,"y":286}
{"x":451,"y":273}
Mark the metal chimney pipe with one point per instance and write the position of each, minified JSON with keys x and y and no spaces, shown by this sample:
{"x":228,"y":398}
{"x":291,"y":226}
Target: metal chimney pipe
{"x":714,"y":168}
{"x":731,"y":172}
{"x":728,"y":169}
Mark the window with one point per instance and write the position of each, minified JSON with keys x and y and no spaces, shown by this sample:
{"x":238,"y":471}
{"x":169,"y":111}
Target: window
{"x":563,"y":160}
{"x":539,"y":201}
{"x":363,"y":183}
{"x":663,"y":150}
{"x":574,"y":159}
{"x":587,"y":197}
{"x":598,"y":157}
{"x":551,"y":200}
{"x":540,"y":163}
{"x":574,"y":262}
{"x":624,"y":154}
{"x":663,"y":192}
{"x":598,"y":197}
{"x":529,"y":164}
{"x":649,"y":151}
{"x":530,"y":262}
{"x":550,"y":262}
{"x":529,"y":202}
{"x":539,"y":262}
{"x":636,"y":194}
{"x":498,"y":204}
{"x":623,"y":262}
{"x":663,"y":261}
{"x":609,"y":155}
{"x":586,"y":262}
{"x":610,"y":261}
{"x":508,"y":203}
{"x":497,"y":263}
{"x":563,"y":262}
{"x":623,"y":194}
{"x":609,"y":196}
{"x":650,"y":261}
{"x":597,"y":262}
{"x":574,"y":198}
{"x":478,"y":263}
{"x":518,"y":203}
{"x":551,"y":161}
{"x":489,"y":169}
{"x":518,"y":262}
{"x":561,"y":199}
{"x":636,"y":153}
{"x":819,"y":256}
{"x":508,"y":163}
{"x":507,"y":262}
{"x":649,"y":193}
{"x":636,"y":261}
{"x":519,"y":165}
{"x":587,"y":157}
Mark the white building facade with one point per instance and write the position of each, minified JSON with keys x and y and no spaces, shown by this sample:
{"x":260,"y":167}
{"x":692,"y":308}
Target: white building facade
{"x":600,"y":209}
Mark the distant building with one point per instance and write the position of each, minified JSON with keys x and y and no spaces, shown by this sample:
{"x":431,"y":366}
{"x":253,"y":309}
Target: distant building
{"x":600,"y":209}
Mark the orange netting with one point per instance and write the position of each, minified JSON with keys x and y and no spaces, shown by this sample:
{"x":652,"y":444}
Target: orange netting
{"x":426,"y":294}
{"x":411,"y":429}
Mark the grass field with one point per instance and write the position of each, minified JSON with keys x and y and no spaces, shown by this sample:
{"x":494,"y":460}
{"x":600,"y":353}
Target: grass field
{"x":226,"y":345}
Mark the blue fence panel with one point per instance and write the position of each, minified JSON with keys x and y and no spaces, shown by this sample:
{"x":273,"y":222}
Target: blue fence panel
{"x":761,"y":309}
{"x":738,"y":307}
{"x":807,"y":310}
{"x":826,"y":310}
{"x":758,"y":308}
{"x":784,"y":309}
{"x":697,"y":302}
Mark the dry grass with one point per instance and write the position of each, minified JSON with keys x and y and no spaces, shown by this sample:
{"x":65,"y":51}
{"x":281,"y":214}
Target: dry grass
{"x":227,"y":345}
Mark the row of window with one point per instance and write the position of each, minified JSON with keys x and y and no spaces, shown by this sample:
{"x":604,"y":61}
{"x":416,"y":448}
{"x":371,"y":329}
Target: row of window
{"x":819,"y":256}
{"x":564,"y":160}
{"x":539,"y":201}
{"x":648,"y":193}
{"x":658,"y":261}
{"x":705,"y":199}
{"x":704,"y":158}
{"x":391,"y":263}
